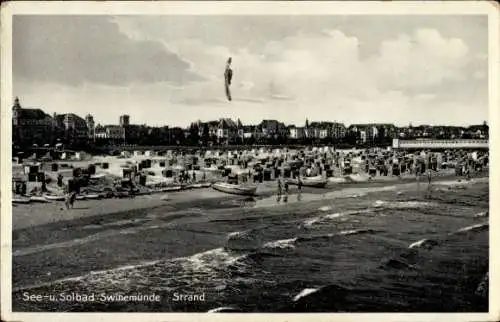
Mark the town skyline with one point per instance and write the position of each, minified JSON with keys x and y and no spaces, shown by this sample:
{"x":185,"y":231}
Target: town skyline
{"x":166,"y":70}
{"x":217,"y":118}
{"x":32,"y":127}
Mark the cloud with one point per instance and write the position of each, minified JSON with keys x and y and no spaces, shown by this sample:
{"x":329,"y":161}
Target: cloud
{"x":421,"y":60}
{"x":326,"y":67}
{"x":319,"y":71}
{"x":73,"y":50}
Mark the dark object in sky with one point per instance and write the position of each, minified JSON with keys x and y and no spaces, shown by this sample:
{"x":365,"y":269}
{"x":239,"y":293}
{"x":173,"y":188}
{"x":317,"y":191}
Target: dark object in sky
{"x":228,"y":75}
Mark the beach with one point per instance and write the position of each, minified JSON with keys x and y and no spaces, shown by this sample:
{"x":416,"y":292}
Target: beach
{"x":359,"y":247}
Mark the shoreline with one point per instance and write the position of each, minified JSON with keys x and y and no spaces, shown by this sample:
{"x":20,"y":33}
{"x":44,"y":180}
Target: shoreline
{"x":37,"y":214}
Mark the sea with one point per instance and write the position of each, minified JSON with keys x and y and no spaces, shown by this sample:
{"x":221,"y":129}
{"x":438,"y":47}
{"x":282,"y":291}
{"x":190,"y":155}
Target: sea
{"x":372,"y":249}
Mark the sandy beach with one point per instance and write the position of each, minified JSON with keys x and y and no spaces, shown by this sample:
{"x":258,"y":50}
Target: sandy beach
{"x":34,"y":214}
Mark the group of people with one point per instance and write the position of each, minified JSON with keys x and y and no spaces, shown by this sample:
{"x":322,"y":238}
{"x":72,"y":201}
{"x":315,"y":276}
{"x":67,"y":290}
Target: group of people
{"x":283,"y":185}
{"x":184,"y":177}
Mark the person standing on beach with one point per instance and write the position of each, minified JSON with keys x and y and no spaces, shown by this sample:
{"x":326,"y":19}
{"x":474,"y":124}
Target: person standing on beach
{"x":285,"y":185}
{"x":279,"y":186}
{"x":417,"y":178}
{"x":70,"y":199}
{"x":429,"y":179}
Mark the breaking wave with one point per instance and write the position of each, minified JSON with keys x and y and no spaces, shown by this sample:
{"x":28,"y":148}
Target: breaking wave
{"x":403,"y":204}
{"x":424,"y":243}
{"x":292,"y":242}
{"x":477,"y":227}
{"x":324,"y":218}
{"x":283,"y":243}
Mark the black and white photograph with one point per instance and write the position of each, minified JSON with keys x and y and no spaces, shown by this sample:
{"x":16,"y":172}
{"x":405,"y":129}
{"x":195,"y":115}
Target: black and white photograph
{"x":258,"y":158}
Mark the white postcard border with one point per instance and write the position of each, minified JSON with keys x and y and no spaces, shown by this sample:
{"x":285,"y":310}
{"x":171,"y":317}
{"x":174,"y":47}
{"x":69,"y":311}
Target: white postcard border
{"x":247,"y":8}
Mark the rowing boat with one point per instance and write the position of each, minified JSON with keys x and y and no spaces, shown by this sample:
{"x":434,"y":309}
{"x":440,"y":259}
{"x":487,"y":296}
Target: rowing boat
{"x":20,"y":200}
{"x":316,"y":182}
{"x":38,"y":199}
{"x":54,"y":197}
{"x":235,"y":189}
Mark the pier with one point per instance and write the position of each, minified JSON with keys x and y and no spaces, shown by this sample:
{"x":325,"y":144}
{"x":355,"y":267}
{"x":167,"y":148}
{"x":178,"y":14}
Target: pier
{"x":435,"y":144}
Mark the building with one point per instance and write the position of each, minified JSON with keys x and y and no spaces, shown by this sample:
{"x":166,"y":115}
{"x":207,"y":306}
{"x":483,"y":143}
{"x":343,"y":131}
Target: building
{"x":338,"y":130}
{"x":124,"y":120}
{"x":321,"y":130}
{"x":222,"y":130}
{"x":212,"y":127}
{"x":240,"y":129}
{"x":374,"y":131}
{"x":31,"y":125}
{"x":363,"y":136}
{"x":72,"y":125}
{"x":272,"y":129}
{"x":295,"y":133}
{"x":110,"y":132}
{"x":89,"y":119}
{"x":227,"y":129}
{"x":478,"y":131}
{"x":248,"y":131}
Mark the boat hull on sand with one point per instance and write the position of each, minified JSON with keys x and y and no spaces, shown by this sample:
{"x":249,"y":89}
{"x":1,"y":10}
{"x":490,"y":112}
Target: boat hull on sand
{"x":198,"y":185}
{"x":171,"y":189}
{"x":38,"y":199}
{"x":20,"y":200}
{"x":316,"y":182}
{"x":54,"y":197}
{"x":235,"y":189}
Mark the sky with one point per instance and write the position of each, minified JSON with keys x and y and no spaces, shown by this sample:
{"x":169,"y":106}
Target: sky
{"x":168,"y":70}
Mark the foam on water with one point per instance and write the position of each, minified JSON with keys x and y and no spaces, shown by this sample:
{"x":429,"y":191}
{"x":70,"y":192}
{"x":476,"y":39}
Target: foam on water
{"x":311,"y":221}
{"x":290,"y":243}
{"x":403,"y":204}
{"x":208,"y":261}
{"x":424,"y":243}
{"x":282,"y":244}
{"x":304,"y":293}
{"x":482,"y":214}
{"x":324,"y":218}
{"x":476,"y":227}
{"x":245,"y":234}
{"x":355,"y":232}
{"x":224,"y":309}
{"x":336,"y":234}
{"x":244,"y":240}
{"x":172,"y":271}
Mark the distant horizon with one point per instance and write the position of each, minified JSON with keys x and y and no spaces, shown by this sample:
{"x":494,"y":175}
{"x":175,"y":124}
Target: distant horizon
{"x":419,"y":69}
{"x":414,"y":124}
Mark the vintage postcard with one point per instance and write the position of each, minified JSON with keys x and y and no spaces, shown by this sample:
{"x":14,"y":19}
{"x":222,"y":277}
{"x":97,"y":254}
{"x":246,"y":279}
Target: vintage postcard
{"x":294,"y":160}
